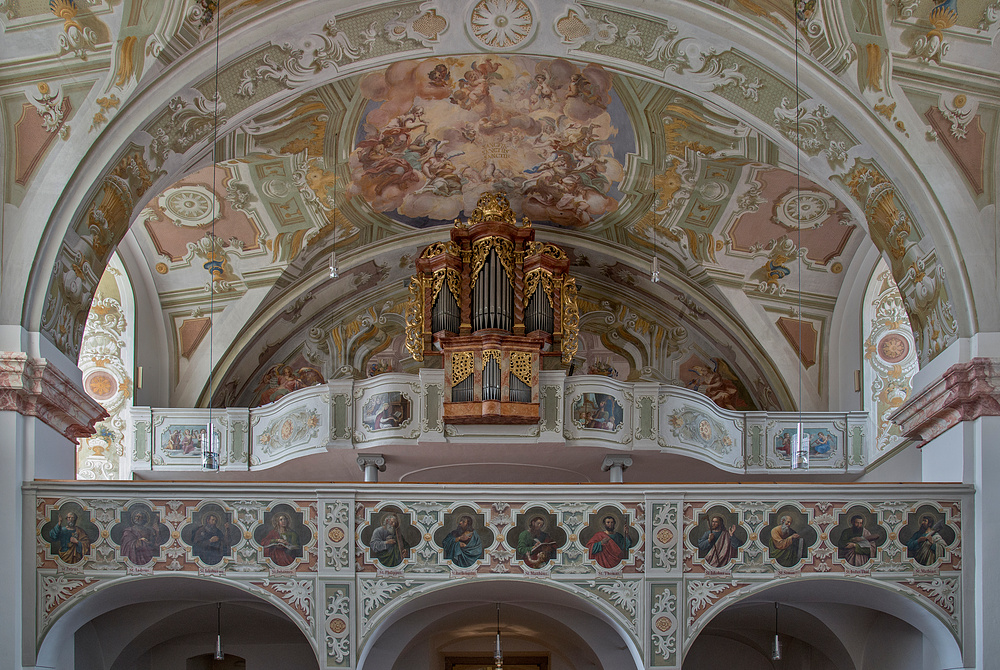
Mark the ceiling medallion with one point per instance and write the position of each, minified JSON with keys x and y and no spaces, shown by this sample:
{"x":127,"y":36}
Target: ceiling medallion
{"x":808,"y":209}
{"x":188,"y":205}
{"x":501,"y":24}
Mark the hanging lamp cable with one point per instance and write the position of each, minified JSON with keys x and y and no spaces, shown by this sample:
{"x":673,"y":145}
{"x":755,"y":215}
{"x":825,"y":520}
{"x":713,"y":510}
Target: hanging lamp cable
{"x":219,"y":655}
{"x":210,"y":451}
{"x":498,"y":654}
{"x":776,"y":645}
{"x":334,"y":272}
{"x":655,"y":270}
{"x":801,"y":457}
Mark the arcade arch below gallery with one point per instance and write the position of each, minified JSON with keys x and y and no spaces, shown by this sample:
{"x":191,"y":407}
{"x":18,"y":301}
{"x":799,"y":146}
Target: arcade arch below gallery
{"x":162,"y":622}
{"x":824,"y":624}
{"x":537,"y":619}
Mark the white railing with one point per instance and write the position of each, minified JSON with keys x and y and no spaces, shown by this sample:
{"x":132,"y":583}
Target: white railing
{"x":579,"y":411}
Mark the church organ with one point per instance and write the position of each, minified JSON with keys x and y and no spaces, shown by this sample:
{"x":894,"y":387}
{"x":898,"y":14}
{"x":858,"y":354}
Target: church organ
{"x":493,"y":303}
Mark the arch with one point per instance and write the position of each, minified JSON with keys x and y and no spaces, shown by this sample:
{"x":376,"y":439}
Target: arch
{"x":81,"y":192}
{"x":145,"y":612}
{"x":822,"y":598}
{"x":568,"y":611}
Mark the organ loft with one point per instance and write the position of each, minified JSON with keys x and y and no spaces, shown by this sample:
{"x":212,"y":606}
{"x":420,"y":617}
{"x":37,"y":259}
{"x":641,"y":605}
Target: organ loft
{"x":496,"y":306}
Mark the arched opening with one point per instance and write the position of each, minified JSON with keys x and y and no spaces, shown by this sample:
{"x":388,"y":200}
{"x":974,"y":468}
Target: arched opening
{"x":171,"y":622}
{"x":458,"y":621}
{"x":825,"y":624}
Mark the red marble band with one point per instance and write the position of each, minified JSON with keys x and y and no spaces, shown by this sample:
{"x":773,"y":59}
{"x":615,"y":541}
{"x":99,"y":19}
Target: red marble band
{"x":33,"y":387}
{"x":965,"y":392}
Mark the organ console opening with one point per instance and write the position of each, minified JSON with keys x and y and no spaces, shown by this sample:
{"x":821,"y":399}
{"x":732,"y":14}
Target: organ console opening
{"x":493,"y":303}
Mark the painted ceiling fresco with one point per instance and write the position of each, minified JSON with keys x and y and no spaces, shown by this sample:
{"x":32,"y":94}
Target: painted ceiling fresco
{"x":626,"y":136}
{"x":422,"y":139}
{"x":438,"y":133}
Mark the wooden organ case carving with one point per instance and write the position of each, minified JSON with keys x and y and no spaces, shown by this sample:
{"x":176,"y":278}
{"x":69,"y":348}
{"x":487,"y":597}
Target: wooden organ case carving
{"x":493,"y":302}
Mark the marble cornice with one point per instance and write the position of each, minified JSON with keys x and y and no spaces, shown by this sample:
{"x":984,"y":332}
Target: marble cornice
{"x":965,"y":392}
{"x":34,"y":387}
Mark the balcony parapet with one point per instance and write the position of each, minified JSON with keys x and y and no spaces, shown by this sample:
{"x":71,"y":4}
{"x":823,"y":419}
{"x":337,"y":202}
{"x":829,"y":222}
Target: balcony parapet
{"x":579,"y":411}
{"x":336,"y":577}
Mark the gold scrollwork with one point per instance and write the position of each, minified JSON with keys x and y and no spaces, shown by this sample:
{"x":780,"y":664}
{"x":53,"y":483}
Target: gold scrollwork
{"x":491,"y":355}
{"x":462,"y":365}
{"x":531,"y":282}
{"x":545,"y":248}
{"x":520,"y":366}
{"x":415,"y":320}
{"x":453,"y":278}
{"x":505,"y":252}
{"x":438,"y":248}
{"x":493,"y":207}
{"x":570,"y":320}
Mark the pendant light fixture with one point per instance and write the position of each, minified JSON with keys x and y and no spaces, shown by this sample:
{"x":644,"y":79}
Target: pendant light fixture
{"x":219,"y":655}
{"x":498,"y":654}
{"x":776,"y":645}
{"x":800,"y":455}
{"x":210,"y":439}
{"x":334,"y":272}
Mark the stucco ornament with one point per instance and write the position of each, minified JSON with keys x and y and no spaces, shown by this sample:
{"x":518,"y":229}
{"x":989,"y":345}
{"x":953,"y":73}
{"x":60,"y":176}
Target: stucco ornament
{"x":76,"y":38}
{"x":51,"y":107}
{"x":501,"y":24}
{"x":301,"y":63}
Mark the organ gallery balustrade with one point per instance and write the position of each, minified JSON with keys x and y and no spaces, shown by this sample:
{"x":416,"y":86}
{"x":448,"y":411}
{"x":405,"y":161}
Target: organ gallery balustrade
{"x":577,"y":411}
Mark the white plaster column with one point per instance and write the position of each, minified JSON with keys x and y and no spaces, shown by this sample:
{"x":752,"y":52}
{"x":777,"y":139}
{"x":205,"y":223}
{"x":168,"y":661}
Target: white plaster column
{"x":617,"y":464}
{"x":371,"y":465}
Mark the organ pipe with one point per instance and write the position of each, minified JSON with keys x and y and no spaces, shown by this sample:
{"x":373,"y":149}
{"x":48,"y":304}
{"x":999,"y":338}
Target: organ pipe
{"x":446,"y":315}
{"x":519,"y":391}
{"x":462,"y":391}
{"x":493,"y":303}
{"x":491,"y":379}
{"x":538,"y":313}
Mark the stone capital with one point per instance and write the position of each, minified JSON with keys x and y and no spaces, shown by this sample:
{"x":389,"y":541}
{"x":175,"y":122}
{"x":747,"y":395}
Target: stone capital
{"x":965,"y":392}
{"x":616,"y":461}
{"x":33,"y":387}
{"x":370,"y":460}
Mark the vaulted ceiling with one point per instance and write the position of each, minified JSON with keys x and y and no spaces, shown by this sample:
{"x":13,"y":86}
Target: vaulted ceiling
{"x":622,"y":134}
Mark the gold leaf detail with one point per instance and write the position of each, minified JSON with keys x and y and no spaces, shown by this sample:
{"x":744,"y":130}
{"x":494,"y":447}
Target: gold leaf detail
{"x":461,"y":366}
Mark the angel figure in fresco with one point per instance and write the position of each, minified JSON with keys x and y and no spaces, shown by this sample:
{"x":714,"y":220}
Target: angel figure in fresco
{"x":717,"y":384}
{"x":439,"y":76}
{"x":786,"y":443}
{"x":440,"y":171}
{"x":474,"y":87}
{"x":542,"y":94}
{"x":821,"y":443}
{"x":282,"y":379}
{"x":383,"y":167}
